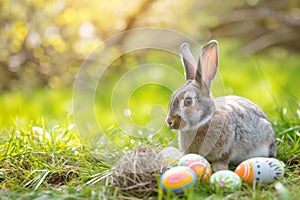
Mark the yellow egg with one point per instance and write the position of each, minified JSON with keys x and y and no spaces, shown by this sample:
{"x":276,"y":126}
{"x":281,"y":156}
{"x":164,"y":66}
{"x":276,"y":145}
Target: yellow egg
{"x":178,"y":179}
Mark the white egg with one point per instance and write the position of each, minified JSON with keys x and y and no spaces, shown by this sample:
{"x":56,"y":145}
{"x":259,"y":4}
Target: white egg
{"x":260,"y":169}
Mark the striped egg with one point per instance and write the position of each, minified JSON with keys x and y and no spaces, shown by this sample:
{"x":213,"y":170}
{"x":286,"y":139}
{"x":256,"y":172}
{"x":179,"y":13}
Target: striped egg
{"x":260,"y":169}
{"x":177,"y":179}
{"x":198,"y":164}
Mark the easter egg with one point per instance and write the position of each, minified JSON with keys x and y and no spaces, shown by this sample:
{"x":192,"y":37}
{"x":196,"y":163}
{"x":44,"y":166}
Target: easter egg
{"x":201,"y":169}
{"x":187,"y":159}
{"x":170,"y":163}
{"x":178,"y":179}
{"x":225,"y":181}
{"x":170,"y":157}
{"x":260,"y":169}
{"x":198,"y":164}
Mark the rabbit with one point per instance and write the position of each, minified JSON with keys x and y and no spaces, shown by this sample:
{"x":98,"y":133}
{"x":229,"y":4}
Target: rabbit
{"x":228,"y":129}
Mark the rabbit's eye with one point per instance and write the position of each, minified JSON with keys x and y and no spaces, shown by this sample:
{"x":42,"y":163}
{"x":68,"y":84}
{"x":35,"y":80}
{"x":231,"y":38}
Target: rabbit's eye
{"x":188,"y":101}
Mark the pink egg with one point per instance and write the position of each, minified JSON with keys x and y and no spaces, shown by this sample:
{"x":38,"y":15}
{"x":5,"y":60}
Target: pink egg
{"x":198,"y":164}
{"x":177,"y":179}
{"x":187,"y":159}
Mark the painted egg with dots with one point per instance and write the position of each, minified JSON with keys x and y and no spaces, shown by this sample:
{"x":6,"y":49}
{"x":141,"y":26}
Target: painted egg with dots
{"x":225,"y":181}
{"x":260,"y":170}
{"x":177,"y":179}
{"x":198,"y":164}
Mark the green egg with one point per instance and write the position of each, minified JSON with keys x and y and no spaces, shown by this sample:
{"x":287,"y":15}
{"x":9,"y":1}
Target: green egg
{"x":225,"y":181}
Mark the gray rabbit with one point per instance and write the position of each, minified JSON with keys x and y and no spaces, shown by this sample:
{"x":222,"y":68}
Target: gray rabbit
{"x":226,"y":129}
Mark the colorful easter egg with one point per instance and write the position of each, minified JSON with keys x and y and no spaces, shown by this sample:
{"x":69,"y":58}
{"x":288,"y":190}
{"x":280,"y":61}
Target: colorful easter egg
{"x":170,"y":157}
{"x":178,"y":179}
{"x":225,"y":181}
{"x":260,"y":169}
{"x":198,"y":164}
{"x":201,"y":169}
{"x":187,"y":159}
{"x":170,"y":163}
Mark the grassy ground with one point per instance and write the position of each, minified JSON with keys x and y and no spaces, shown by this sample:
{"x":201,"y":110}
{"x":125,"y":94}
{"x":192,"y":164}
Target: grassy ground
{"x":45,"y":159}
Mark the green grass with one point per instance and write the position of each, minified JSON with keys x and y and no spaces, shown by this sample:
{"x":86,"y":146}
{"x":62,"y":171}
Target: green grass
{"x":36,"y":161}
{"x":45,"y":159}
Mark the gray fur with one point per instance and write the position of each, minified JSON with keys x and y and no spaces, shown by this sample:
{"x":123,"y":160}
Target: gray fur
{"x":226,"y":129}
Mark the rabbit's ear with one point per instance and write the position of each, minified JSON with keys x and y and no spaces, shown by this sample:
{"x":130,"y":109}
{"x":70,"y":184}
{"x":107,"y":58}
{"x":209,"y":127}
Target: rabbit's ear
{"x":208,"y":63}
{"x":188,"y":62}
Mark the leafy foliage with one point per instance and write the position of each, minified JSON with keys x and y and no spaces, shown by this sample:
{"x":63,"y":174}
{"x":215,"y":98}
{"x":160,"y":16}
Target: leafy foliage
{"x":43,"y":43}
{"x":262,"y":24}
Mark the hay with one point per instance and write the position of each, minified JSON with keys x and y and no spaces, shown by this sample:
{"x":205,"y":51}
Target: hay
{"x":137,"y":171}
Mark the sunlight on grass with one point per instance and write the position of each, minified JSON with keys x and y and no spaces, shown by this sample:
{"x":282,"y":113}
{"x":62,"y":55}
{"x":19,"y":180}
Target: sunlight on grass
{"x":42,"y":153}
{"x":34,"y":157}
{"x":50,"y":161}
{"x":54,"y":105}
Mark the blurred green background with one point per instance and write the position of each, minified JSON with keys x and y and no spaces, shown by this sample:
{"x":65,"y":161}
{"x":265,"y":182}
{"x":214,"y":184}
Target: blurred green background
{"x":44,"y":42}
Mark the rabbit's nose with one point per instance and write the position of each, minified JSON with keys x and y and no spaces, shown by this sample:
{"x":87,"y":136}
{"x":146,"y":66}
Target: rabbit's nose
{"x":169,"y":121}
{"x":173,"y":122}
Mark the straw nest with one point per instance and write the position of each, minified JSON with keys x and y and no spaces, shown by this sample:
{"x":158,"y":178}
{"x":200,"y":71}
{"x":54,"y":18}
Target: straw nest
{"x":137,"y":172}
